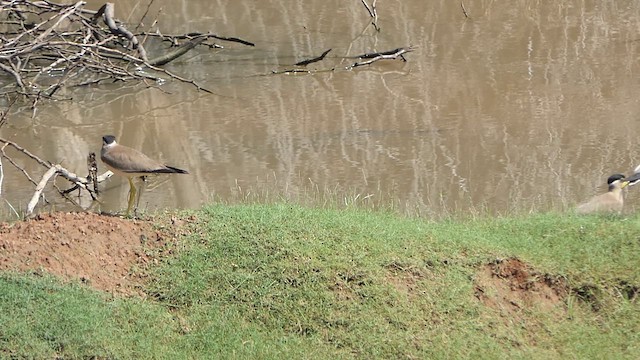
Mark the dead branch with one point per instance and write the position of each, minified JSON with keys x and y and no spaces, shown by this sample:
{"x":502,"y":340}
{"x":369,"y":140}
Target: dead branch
{"x":311,"y":61}
{"x":109,"y":13}
{"x":43,"y":38}
{"x":385,"y":55}
{"x":371,"y":58}
{"x":78,"y":182}
{"x":464,"y":11}
{"x":373,"y":13}
{"x":5,"y":113}
{"x":25,"y":151}
{"x":92,"y":169}
{"x":174,"y":39}
{"x":183,"y":49}
{"x":15,"y":74}
{"x":376,"y":54}
{"x":26,"y":174}
{"x":61,"y":16}
{"x":39,"y":187}
{"x":144,"y":15}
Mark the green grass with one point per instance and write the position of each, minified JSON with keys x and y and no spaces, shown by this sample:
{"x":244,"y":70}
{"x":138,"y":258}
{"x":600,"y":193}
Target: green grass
{"x":284,"y":281}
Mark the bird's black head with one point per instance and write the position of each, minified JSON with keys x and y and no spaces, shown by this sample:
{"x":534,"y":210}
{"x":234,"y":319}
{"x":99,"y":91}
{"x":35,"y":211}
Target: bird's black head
{"x":615,"y":177}
{"x":108,"y":139}
{"x":616,"y":180}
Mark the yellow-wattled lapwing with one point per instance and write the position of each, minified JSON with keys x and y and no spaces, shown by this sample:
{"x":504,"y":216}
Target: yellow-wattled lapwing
{"x":128,"y":162}
{"x":609,"y":202}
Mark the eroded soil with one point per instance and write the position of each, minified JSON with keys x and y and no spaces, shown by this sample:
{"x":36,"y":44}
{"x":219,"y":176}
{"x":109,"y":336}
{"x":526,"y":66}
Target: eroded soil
{"x":101,"y":251}
{"x":510,"y":286}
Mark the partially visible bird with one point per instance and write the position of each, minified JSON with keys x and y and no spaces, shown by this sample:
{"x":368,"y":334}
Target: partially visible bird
{"x":635,"y":178}
{"x":128,"y":162}
{"x":610,"y":202}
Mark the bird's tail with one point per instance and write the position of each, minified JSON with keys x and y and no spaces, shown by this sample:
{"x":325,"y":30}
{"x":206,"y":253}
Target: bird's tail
{"x":176,"y":170}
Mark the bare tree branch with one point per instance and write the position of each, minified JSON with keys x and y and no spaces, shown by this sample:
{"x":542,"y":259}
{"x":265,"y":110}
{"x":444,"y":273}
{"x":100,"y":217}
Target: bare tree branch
{"x":183,"y":49}
{"x":311,"y":61}
{"x":46,"y":164}
{"x":16,"y":76}
{"x":386,"y":55}
{"x":370,"y":59}
{"x":109,"y":12}
{"x":67,"y":40}
{"x":39,"y":188}
{"x":373,"y":13}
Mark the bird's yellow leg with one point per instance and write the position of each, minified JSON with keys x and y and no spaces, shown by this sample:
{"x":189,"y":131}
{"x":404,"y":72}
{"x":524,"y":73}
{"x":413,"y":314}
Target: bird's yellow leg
{"x":132,"y":196}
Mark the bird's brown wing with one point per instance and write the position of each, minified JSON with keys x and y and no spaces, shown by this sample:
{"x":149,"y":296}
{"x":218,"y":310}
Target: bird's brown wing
{"x":132,"y":161}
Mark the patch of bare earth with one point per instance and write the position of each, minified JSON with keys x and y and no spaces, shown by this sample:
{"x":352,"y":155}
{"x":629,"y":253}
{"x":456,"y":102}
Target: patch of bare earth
{"x":511,"y":286}
{"x":101,"y":251}
{"x":404,"y":279}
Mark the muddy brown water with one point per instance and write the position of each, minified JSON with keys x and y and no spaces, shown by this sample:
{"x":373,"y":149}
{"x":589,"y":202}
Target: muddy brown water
{"x":525,"y":106}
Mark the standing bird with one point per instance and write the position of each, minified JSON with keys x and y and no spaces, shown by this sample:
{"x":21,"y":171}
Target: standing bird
{"x":609,"y":202}
{"x":128,"y":162}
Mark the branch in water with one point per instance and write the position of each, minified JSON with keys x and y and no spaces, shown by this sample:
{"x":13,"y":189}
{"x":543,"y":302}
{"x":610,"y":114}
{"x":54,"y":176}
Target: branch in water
{"x":311,"y":61}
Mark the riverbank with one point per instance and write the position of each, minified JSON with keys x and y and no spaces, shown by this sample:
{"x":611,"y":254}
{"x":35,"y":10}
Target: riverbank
{"x":275,"y":281}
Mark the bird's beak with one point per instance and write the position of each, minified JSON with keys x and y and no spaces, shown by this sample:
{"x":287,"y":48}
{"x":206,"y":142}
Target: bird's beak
{"x":633,"y":179}
{"x":624,"y":184}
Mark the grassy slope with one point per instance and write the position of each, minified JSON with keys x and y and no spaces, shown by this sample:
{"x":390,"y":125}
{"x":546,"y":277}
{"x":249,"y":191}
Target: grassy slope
{"x":281,"y":281}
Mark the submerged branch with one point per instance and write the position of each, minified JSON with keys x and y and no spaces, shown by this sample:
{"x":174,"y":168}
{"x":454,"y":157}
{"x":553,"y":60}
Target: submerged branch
{"x":183,"y":49}
{"x":370,"y":59}
{"x":311,"y":61}
{"x":386,"y":55}
{"x":192,"y":35}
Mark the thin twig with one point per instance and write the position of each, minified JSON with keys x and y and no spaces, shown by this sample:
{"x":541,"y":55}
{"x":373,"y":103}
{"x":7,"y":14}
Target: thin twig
{"x":5,"y":113}
{"x":65,"y":14}
{"x":26,"y":174}
{"x":368,"y":8}
{"x":26,"y":152}
{"x":464,"y":11}
{"x":16,"y":76}
{"x":144,"y":16}
{"x":174,"y":76}
{"x":373,"y":13}
{"x":192,"y":35}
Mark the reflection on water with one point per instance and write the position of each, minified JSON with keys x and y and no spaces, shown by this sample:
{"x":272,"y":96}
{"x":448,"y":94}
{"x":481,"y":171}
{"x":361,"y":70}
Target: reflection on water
{"x":522,"y":107}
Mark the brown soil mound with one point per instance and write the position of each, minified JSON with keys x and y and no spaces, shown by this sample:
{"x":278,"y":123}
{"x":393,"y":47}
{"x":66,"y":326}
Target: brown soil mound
{"x":98,"y":250}
{"x":511,"y":286}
